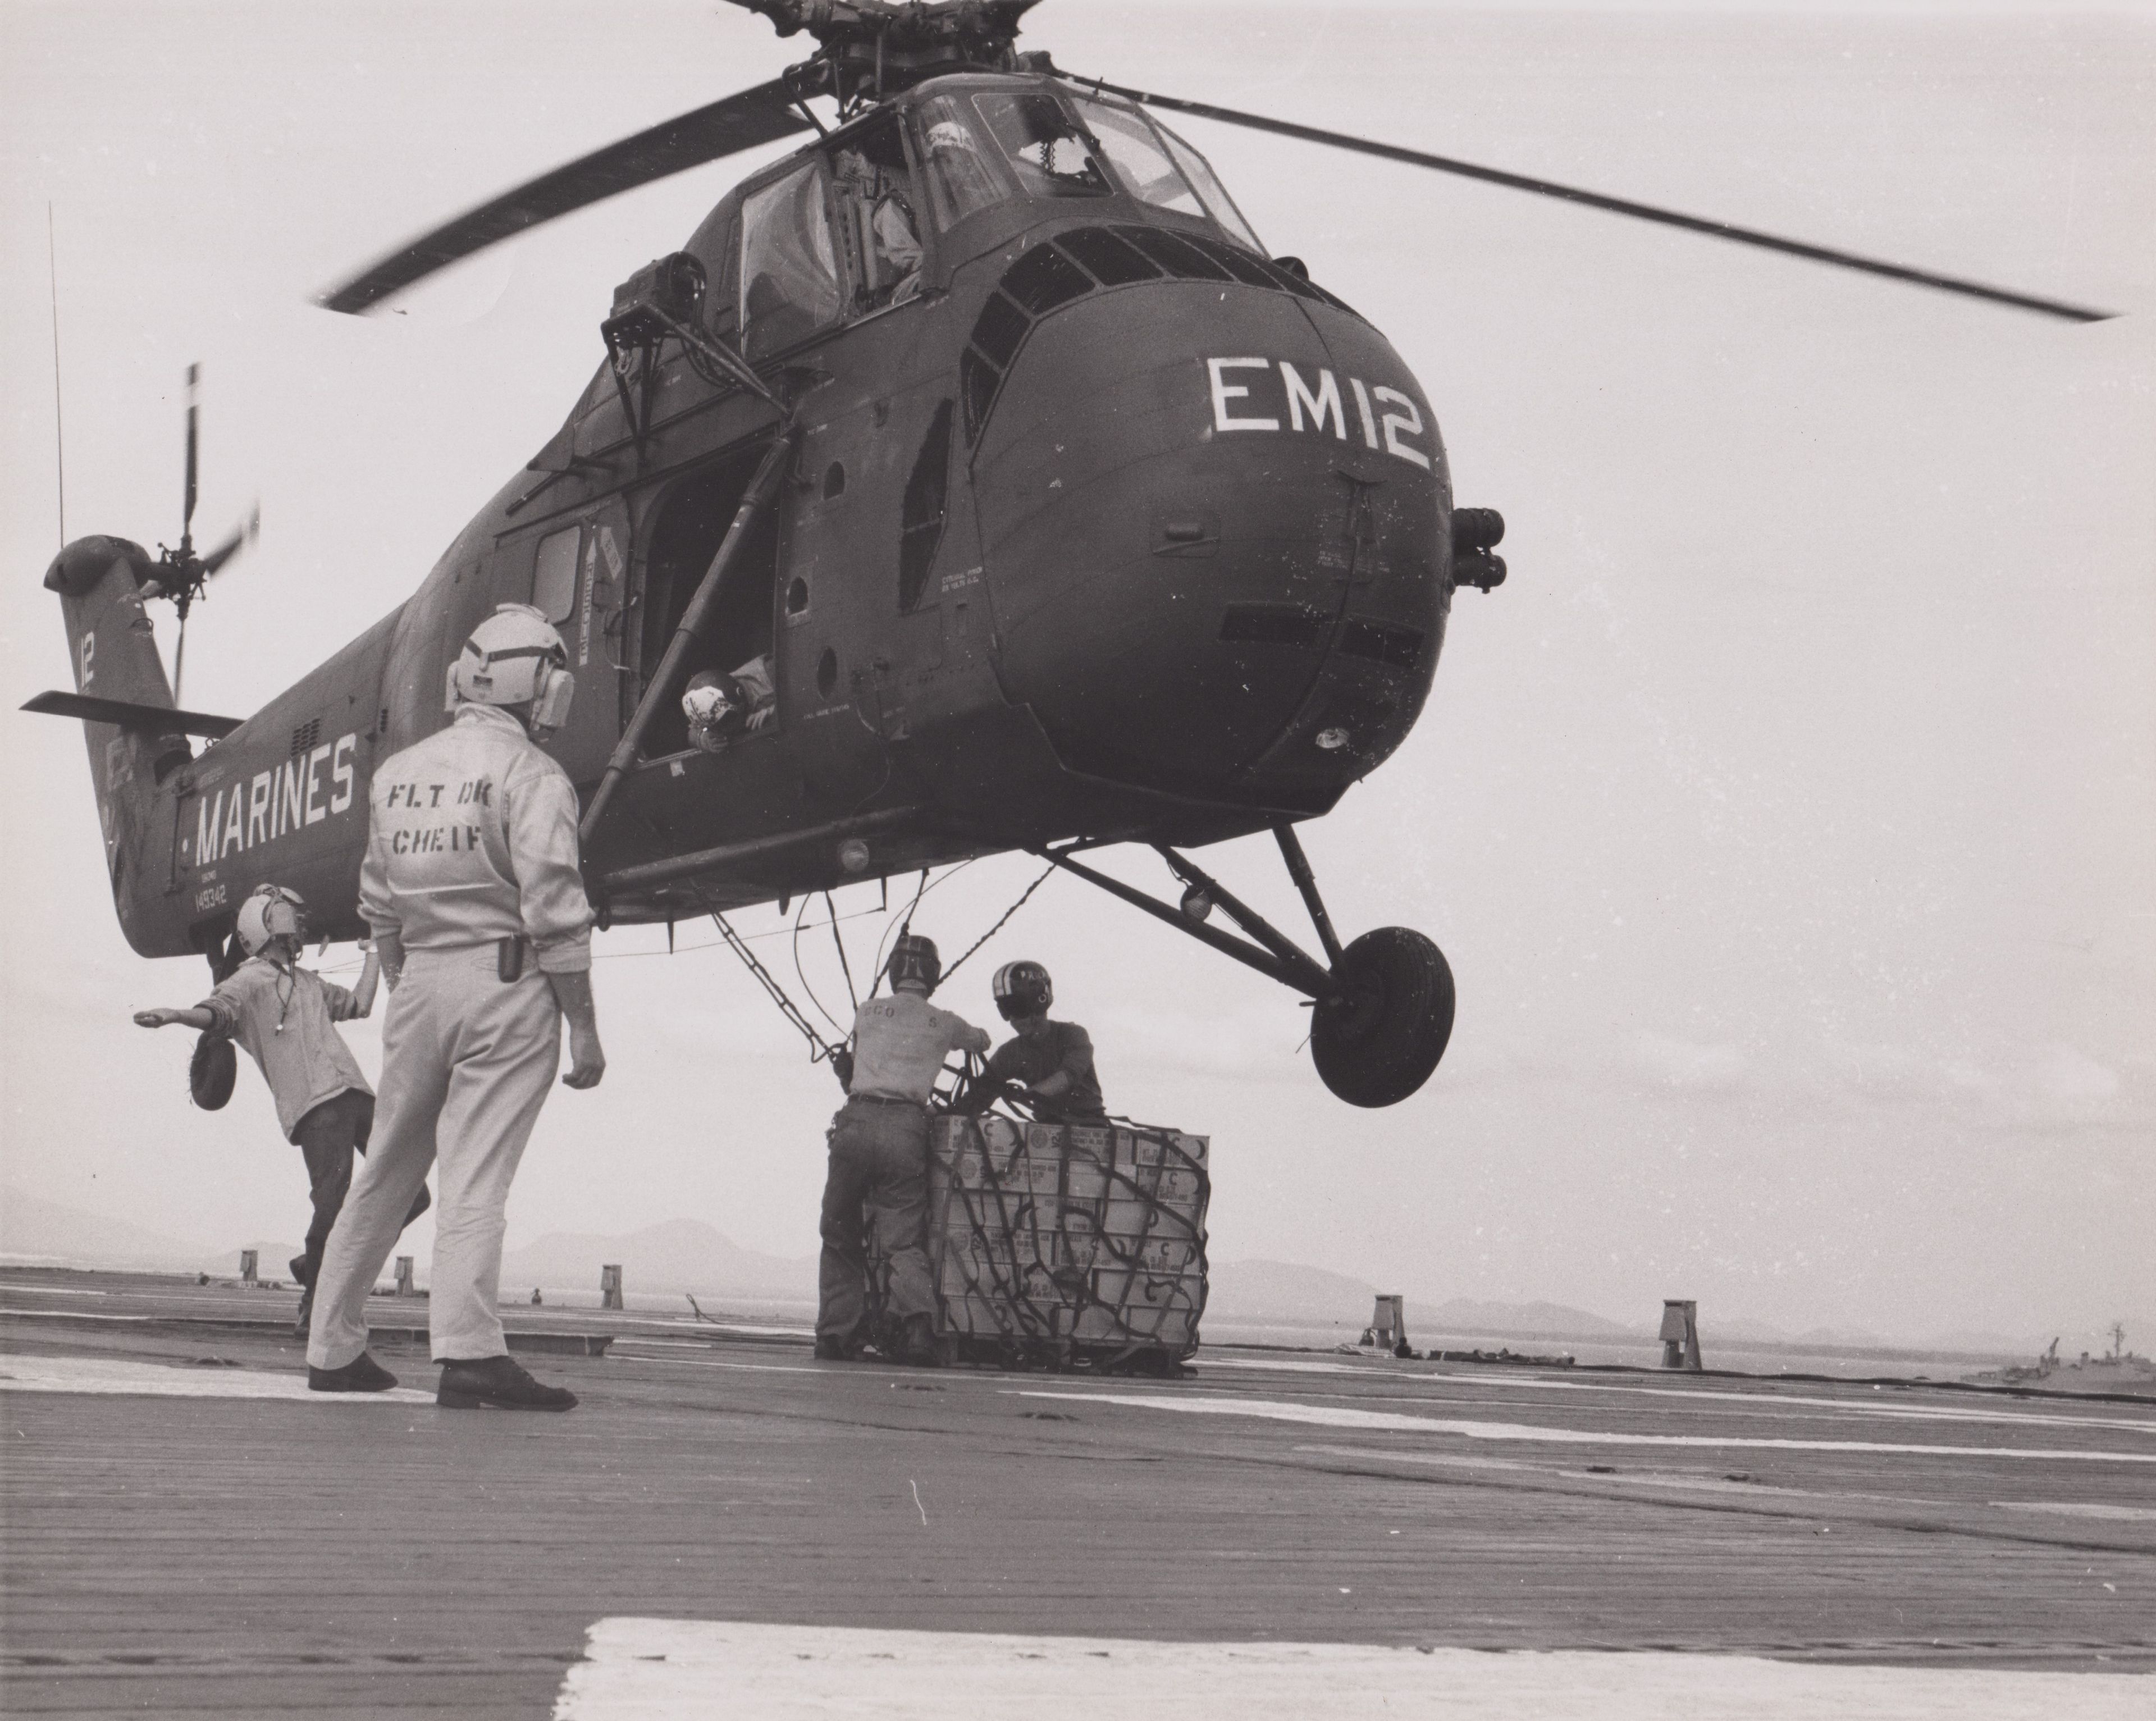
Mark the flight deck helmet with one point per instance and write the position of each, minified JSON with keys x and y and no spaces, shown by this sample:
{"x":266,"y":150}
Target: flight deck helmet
{"x":1023,"y":988}
{"x":914,"y":957}
{"x":273,"y":911}
{"x":710,"y":694}
{"x":513,"y":658}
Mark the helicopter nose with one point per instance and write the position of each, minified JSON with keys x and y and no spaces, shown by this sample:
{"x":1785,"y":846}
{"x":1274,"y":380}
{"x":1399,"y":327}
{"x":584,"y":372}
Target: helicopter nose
{"x":1213,"y":525}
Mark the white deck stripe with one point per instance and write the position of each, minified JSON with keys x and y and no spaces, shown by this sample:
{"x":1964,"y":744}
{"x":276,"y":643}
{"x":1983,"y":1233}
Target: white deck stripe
{"x":1964,"y":1412}
{"x":96,"y":1374}
{"x":661,"y":1670}
{"x":1803,"y":1410}
{"x":2083,"y":1509}
{"x":1332,"y":1416}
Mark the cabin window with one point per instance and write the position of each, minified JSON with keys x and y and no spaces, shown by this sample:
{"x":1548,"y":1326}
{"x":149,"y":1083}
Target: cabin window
{"x":1050,"y":154}
{"x":789,"y":272}
{"x":1139,"y":158}
{"x":1218,"y":204}
{"x":554,"y":575}
{"x":922,"y":512}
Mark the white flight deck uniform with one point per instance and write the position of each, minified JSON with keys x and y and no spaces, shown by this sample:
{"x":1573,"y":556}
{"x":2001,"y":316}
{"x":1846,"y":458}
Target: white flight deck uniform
{"x":471,"y":840}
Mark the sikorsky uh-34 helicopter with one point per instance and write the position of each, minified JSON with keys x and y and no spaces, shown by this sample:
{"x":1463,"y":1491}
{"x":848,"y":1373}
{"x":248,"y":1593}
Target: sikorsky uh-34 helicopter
{"x":1059,"y":512}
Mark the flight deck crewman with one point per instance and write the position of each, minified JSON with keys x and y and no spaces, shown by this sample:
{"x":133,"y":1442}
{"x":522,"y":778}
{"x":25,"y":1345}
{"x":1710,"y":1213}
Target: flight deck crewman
{"x":721,"y":706}
{"x":471,"y":867}
{"x":285,"y":1016}
{"x":1051,"y":1063}
{"x":880,"y":1160}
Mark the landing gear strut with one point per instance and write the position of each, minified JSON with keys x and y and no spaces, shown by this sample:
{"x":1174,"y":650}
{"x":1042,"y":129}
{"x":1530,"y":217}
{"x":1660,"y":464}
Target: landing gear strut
{"x":1384,"y":1004}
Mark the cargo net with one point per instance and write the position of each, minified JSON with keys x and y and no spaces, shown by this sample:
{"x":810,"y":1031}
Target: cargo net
{"x":1062,"y":1246}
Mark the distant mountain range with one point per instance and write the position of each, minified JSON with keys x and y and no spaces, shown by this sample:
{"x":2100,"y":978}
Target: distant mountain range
{"x":680,"y":1255}
{"x":1281,"y":1291}
{"x":688,"y":1255}
{"x":35,"y":1231}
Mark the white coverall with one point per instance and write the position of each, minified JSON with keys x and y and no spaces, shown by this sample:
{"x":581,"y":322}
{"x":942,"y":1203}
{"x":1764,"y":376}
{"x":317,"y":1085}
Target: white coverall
{"x":471,"y":840}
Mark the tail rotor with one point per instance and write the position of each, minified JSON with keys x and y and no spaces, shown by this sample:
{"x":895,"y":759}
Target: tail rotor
{"x":181,"y":575}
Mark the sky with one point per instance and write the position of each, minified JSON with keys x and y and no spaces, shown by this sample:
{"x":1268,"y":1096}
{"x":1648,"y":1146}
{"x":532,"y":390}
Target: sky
{"x":1789,"y":818}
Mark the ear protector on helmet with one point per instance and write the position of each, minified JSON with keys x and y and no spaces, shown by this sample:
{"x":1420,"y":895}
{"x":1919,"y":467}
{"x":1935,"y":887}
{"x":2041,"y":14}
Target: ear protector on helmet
{"x":514,"y":657}
{"x":914,"y":957}
{"x":271,"y":912}
{"x":1023,"y":988}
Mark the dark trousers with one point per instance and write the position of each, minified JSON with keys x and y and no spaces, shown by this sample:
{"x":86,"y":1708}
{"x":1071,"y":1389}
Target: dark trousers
{"x":328,"y":1136}
{"x":879,"y":1174}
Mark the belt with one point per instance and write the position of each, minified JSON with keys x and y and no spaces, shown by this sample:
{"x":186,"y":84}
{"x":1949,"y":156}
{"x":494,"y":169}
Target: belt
{"x":884,"y":1099}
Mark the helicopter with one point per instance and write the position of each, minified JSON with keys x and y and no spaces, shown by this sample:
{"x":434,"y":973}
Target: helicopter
{"x":1063,"y":514}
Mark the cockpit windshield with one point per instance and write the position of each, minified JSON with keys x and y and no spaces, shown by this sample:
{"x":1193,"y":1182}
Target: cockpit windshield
{"x":1214,"y":195}
{"x":1049,"y":155}
{"x":962,"y":177}
{"x":969,"y":144}
{"x":1139,"y":159}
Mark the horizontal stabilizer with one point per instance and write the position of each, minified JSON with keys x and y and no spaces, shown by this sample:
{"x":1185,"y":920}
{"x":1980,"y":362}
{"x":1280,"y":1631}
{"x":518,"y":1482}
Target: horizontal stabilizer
{"x":160,"y":720}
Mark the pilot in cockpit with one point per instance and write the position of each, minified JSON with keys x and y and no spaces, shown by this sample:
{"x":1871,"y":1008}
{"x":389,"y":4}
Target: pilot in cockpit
{"x":889,"y":236}
{"x":897,"y":244}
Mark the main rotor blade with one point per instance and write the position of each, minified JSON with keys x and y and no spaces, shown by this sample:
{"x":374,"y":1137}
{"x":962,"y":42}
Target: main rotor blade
{"x":736,"y":122}
{"x":187,"y":507}
{"x":241,"y":537}
{"x":1616,"y":206}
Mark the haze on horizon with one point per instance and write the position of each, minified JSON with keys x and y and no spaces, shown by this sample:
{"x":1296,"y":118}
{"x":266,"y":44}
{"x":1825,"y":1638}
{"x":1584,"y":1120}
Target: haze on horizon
{"x":1789,"y":818}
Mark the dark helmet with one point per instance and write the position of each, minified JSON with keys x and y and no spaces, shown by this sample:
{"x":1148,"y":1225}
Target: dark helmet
{"x":1023,"y":988}
{"x":914,"y":957}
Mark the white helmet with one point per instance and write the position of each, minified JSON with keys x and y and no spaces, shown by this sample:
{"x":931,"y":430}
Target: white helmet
{"x":710,"y":696}
{"x":514,"y":657}
{"x":273,"y":911}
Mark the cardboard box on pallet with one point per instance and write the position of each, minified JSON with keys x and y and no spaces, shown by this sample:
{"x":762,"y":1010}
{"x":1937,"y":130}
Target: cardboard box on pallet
{"x":1075,"y":1244}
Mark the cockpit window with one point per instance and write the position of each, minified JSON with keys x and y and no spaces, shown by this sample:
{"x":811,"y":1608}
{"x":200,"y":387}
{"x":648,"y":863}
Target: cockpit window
{"x":960,"y":166}
{"x":1048,"y":154}
{"x":1139,"y":158}
{"x":789,"y":273}
{"x":1218,"y":204}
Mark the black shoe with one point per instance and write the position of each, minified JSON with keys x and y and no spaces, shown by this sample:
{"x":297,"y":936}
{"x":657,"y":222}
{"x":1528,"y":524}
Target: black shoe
{"x":303,"y":1323}
{"x":919,"y":1348}
{"x":831,"y":1348}
{"x":363,"y":1374}
{"x":497,"y":1382}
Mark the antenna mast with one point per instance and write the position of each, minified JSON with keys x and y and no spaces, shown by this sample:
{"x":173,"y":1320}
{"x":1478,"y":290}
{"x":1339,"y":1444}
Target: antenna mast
{"x":59,"y":428}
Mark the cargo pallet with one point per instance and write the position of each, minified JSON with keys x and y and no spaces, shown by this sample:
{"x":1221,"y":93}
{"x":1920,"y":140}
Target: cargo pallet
{"x":1064,"y":1247}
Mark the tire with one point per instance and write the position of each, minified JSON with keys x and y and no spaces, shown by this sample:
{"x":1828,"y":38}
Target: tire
{"x":1379,"y":1041}
{"x":212,"y":1071}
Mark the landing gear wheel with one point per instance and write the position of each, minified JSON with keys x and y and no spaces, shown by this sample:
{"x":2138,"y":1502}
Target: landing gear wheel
{"x":1379,"y":1041}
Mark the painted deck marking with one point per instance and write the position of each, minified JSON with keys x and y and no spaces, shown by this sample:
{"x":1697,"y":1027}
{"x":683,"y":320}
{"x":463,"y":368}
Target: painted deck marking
{"x":1332,"y":1416}
{"x":93,"y":1374}
{"x":1729,"y":1395}
{"x":2083,"y":1509}
{"x":656,"y":1670}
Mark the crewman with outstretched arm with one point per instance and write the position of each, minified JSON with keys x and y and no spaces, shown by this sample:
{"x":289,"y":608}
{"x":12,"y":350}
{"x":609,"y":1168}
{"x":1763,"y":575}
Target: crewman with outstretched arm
{"x":471,"y":883}
{"x":879,"y":1161}
{"x":285,"y":1016}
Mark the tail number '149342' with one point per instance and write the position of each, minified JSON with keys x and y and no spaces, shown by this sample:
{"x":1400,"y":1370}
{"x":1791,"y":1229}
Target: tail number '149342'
{"x":1239,"y":404}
